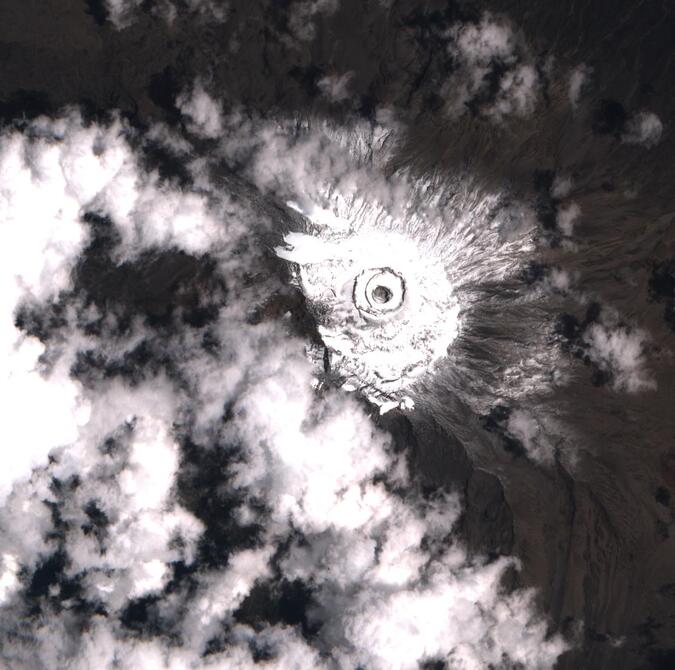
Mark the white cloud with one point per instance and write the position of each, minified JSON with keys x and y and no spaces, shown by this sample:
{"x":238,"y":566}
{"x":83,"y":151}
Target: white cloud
{"x":644,"y":128}
{"x":46,"y":184}
{"x":132,"y":488}
{"x":221,"y":593}
{"x":303,"y":16}
{"x":336,"y":87}
{"x":9,"y":582}
{"x":482,"y":42}
{"x":561,"y":187}
{"x":396,"y":629}
{"x":315,"y":472}
{"x":567,"y":217}
{"x":477,"y":48}
{"x":43,"y":186}
{"x":122,"y":13}
{"x":560,"y":280}
{"x":310,"y":468}
{"x":578,"y":81}
{"x":620,"y":350}
{"x":518,"y":93}
{"x":529,"y":432}
{"x":203,"y":111}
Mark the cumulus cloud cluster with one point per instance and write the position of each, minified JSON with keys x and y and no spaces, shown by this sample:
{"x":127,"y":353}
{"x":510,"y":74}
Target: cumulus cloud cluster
{"x":123,"y":12}
{"x":644,"y":128}
{"x":615,"y":350}
{"x":177,"y":477}
{"x":578,"y":82}
{"x":494,"y":74}
{"x":304,"y":15}
{"x":202,"y":112}
{"x":336,"y":87}
{"x":620,"y":351}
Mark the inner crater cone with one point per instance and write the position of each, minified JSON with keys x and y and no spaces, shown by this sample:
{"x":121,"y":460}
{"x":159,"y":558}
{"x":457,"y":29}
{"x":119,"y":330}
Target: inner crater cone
{"x":379,"y":290}
{"x":381,"y":294}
